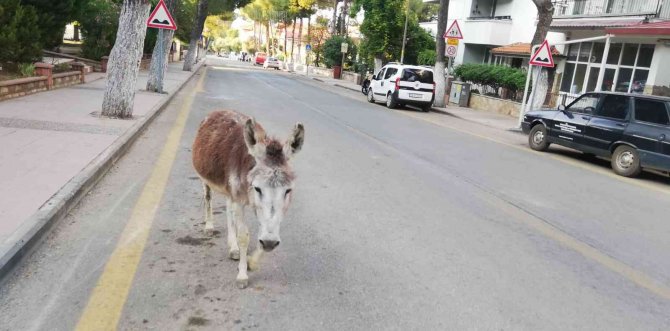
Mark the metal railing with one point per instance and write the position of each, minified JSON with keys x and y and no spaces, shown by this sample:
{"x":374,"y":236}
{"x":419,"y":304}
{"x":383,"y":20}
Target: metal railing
{"x":595,"y":8}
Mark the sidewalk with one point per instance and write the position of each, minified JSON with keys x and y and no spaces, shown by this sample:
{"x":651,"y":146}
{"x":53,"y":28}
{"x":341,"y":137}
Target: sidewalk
{"x":54,"y":148}
{"x":490,"y":119}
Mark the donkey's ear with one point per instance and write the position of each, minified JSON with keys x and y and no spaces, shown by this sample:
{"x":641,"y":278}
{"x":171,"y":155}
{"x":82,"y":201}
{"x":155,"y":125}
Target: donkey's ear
{"x":253,"y":138}
{"x":295,"y":140}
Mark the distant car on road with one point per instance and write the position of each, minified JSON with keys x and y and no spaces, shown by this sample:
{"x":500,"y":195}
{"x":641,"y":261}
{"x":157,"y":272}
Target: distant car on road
{"x":399,"y":85}
{"x":272,"y":62}
{"x":259,"y":58}
{"x":632,"y":130}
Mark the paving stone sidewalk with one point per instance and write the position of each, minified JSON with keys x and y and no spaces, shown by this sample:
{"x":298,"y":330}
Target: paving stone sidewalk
{"x":47,"y":138}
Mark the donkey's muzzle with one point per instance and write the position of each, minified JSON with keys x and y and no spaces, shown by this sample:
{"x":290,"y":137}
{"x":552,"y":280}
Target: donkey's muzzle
{"x":269,"y":245}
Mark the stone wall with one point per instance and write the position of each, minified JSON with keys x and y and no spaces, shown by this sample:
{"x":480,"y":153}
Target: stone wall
{"x":66,"y":79}
{"x":325,"y":72}
{"x":490,"y":104}
{"x":23,"y":86}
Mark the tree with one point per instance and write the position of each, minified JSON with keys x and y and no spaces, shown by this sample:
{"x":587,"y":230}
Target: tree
{"x":545,"y":11}
{"x":382,"y":30}
{"x":161,"y":49}
{"x":331,"y":51}
{"x":440,"y":48}
{"x":99,"y":21}
{"x":127,"y":51}
{"x":19,"y":36}
{"x":52,"y":18}
{"x":196,"y":31}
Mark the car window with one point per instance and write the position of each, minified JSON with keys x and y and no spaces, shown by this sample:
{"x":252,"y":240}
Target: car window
{"x":614,"y":106}
{"x":379,"y":76}
{"x":413,"y":75}
{"x":584,"y":102}
{"x":651,"y":111}
{"x":390,"y":72}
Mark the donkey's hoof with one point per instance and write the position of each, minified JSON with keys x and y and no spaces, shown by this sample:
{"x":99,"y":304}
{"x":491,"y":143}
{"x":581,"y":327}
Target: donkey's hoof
{"x":251,"y":264}
{"x":234,"y":255}
{"x":242,"y":283}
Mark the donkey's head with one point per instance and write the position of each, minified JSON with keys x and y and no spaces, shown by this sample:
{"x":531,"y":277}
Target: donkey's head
{"x":271,"y":179}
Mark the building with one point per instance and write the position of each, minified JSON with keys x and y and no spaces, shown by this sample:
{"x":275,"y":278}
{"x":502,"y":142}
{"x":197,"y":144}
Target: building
{"x":488,"y":24}
{"x":639,"y":46}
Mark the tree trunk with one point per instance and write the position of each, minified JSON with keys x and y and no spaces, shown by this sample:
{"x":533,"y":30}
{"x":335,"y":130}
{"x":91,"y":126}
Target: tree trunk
{"x":345,"y":8}
{"x":162,"y":47}
{"x":200,"y":17}
{"x":285,"y":42}
{"x":123,"y":65}
{"x":293,"y":39}
{"x":440,"y":79}
{"x":378,"y":63}
{"x":545,"y":11}
{"x":300,"y":42}
{"x":267,"y":38}
{"x":333,"y":29}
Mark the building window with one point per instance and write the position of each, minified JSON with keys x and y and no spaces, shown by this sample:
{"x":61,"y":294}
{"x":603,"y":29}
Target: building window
{"x":627,"y":67}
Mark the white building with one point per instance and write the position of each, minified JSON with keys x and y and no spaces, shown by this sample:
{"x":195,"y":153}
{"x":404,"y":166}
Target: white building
{"x":487,"y":24}
{"x":639,"y":51}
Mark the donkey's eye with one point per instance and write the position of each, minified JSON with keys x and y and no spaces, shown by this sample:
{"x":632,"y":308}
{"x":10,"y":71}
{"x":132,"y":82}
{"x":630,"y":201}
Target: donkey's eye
{"x":258,"y":189}
{"x":287,"y":192}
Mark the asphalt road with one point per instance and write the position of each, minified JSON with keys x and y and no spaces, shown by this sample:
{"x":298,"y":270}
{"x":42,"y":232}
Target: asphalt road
{"x":401,"y":220}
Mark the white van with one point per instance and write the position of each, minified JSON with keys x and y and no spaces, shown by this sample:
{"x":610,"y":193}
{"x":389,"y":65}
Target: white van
{"x":399,"y":84}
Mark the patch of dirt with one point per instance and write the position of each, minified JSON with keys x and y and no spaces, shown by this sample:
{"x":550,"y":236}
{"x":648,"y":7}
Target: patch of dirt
{"x":190,"y":241}
{"x":197,"y":321}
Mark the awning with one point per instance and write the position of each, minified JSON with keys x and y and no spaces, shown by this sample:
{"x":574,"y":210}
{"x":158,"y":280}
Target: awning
{"x":644,"y":29}
{"x":595,"y":22}
{"x":519,"y":49}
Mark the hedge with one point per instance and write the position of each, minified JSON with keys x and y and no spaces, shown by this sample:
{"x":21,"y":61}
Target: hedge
{"x":492,"y":75}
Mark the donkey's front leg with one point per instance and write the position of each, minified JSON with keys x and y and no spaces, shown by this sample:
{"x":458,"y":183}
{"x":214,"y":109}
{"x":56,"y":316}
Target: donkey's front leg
{"x":231,"y":222}
{"x":255,"y":259}
{"x":243,"y":242}
{"x":209,"y":216}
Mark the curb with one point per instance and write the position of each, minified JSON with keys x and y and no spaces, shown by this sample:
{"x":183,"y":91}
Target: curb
{"x":29,"y":234}
{"x":347,"y":87}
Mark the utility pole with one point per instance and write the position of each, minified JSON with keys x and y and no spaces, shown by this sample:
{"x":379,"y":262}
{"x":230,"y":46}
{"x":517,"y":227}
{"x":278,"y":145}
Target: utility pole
{"x":404,"y":35}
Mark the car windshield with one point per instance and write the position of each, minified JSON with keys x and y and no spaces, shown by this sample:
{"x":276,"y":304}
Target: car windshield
{"x":417,"y":75}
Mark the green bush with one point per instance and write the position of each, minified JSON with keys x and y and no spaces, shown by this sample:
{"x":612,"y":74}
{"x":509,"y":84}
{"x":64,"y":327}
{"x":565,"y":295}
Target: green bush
{"x":19,"y":35}
{"x":332,"y":55}
{"x":99,"y":22}
{"x":492,"y":75}
{"x":26,"y":69}
{"x":427,"y":57}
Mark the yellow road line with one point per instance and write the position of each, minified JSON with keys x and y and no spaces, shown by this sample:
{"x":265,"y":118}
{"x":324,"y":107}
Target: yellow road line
{"x":109,"y":295}
{"x":582,"y":165}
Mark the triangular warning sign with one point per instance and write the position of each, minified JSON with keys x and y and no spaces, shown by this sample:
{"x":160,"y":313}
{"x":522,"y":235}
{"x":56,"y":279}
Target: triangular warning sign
{"x":160,"y":18}
{"x":454,"y":31}
{"x":543,"y":57}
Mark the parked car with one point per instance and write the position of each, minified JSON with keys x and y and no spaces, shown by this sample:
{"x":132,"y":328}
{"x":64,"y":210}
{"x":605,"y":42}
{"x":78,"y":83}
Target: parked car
{"x":272,"y":62}
{"x":632,"y":130}
{"x":399,"y":84}
{"x":259,"y":58}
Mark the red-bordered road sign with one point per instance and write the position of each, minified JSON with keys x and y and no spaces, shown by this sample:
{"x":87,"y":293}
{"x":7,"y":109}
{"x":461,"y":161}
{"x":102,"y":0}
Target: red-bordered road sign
{"x":543,"y":56}
{"x":454,"y":31}
{"x":160,"y":18}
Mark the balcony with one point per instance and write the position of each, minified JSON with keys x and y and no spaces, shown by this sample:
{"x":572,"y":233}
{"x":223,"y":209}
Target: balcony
{"x":610,"y":8}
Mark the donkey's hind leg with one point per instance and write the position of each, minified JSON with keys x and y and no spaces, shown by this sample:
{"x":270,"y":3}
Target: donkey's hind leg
{"x":209,"y":217}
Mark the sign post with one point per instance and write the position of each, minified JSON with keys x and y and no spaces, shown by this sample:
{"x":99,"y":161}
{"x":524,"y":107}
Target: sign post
{"x":161,"y":19}
{"x":453,"y":36}
{"x":541,"y":57}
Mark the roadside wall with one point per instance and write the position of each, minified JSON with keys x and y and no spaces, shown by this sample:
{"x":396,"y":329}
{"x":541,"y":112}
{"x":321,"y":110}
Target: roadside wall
{"x":495,"y":105}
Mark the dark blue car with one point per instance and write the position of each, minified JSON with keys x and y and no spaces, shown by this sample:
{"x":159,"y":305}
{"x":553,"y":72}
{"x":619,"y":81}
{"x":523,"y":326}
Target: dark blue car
{"x":632,"y":130}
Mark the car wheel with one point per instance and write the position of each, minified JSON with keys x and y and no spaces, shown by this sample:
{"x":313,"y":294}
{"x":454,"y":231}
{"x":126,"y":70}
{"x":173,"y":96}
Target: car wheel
{"x":626,"y":161}
{"x":426,"y":108}
{"x":537,"y":139}
{"x":371,"y":96}
{"x":390,"y":102}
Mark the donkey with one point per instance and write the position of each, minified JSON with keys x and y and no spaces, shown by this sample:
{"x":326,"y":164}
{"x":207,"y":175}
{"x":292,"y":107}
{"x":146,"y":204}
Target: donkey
{"x":233,"y":156}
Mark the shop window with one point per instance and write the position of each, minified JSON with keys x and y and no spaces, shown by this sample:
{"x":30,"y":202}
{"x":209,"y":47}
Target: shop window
{"x":567,"y":77}
{"x":598,"y":50}
{"x":572,"y":53}
{"x":629,"y":54}
{"x":623,"y":81}
{"x":646,"y":54}
{"x":580,"y":74}
{"x":614,"y":54}
{"x":585,"y":52}
{"x":639,"y":81}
